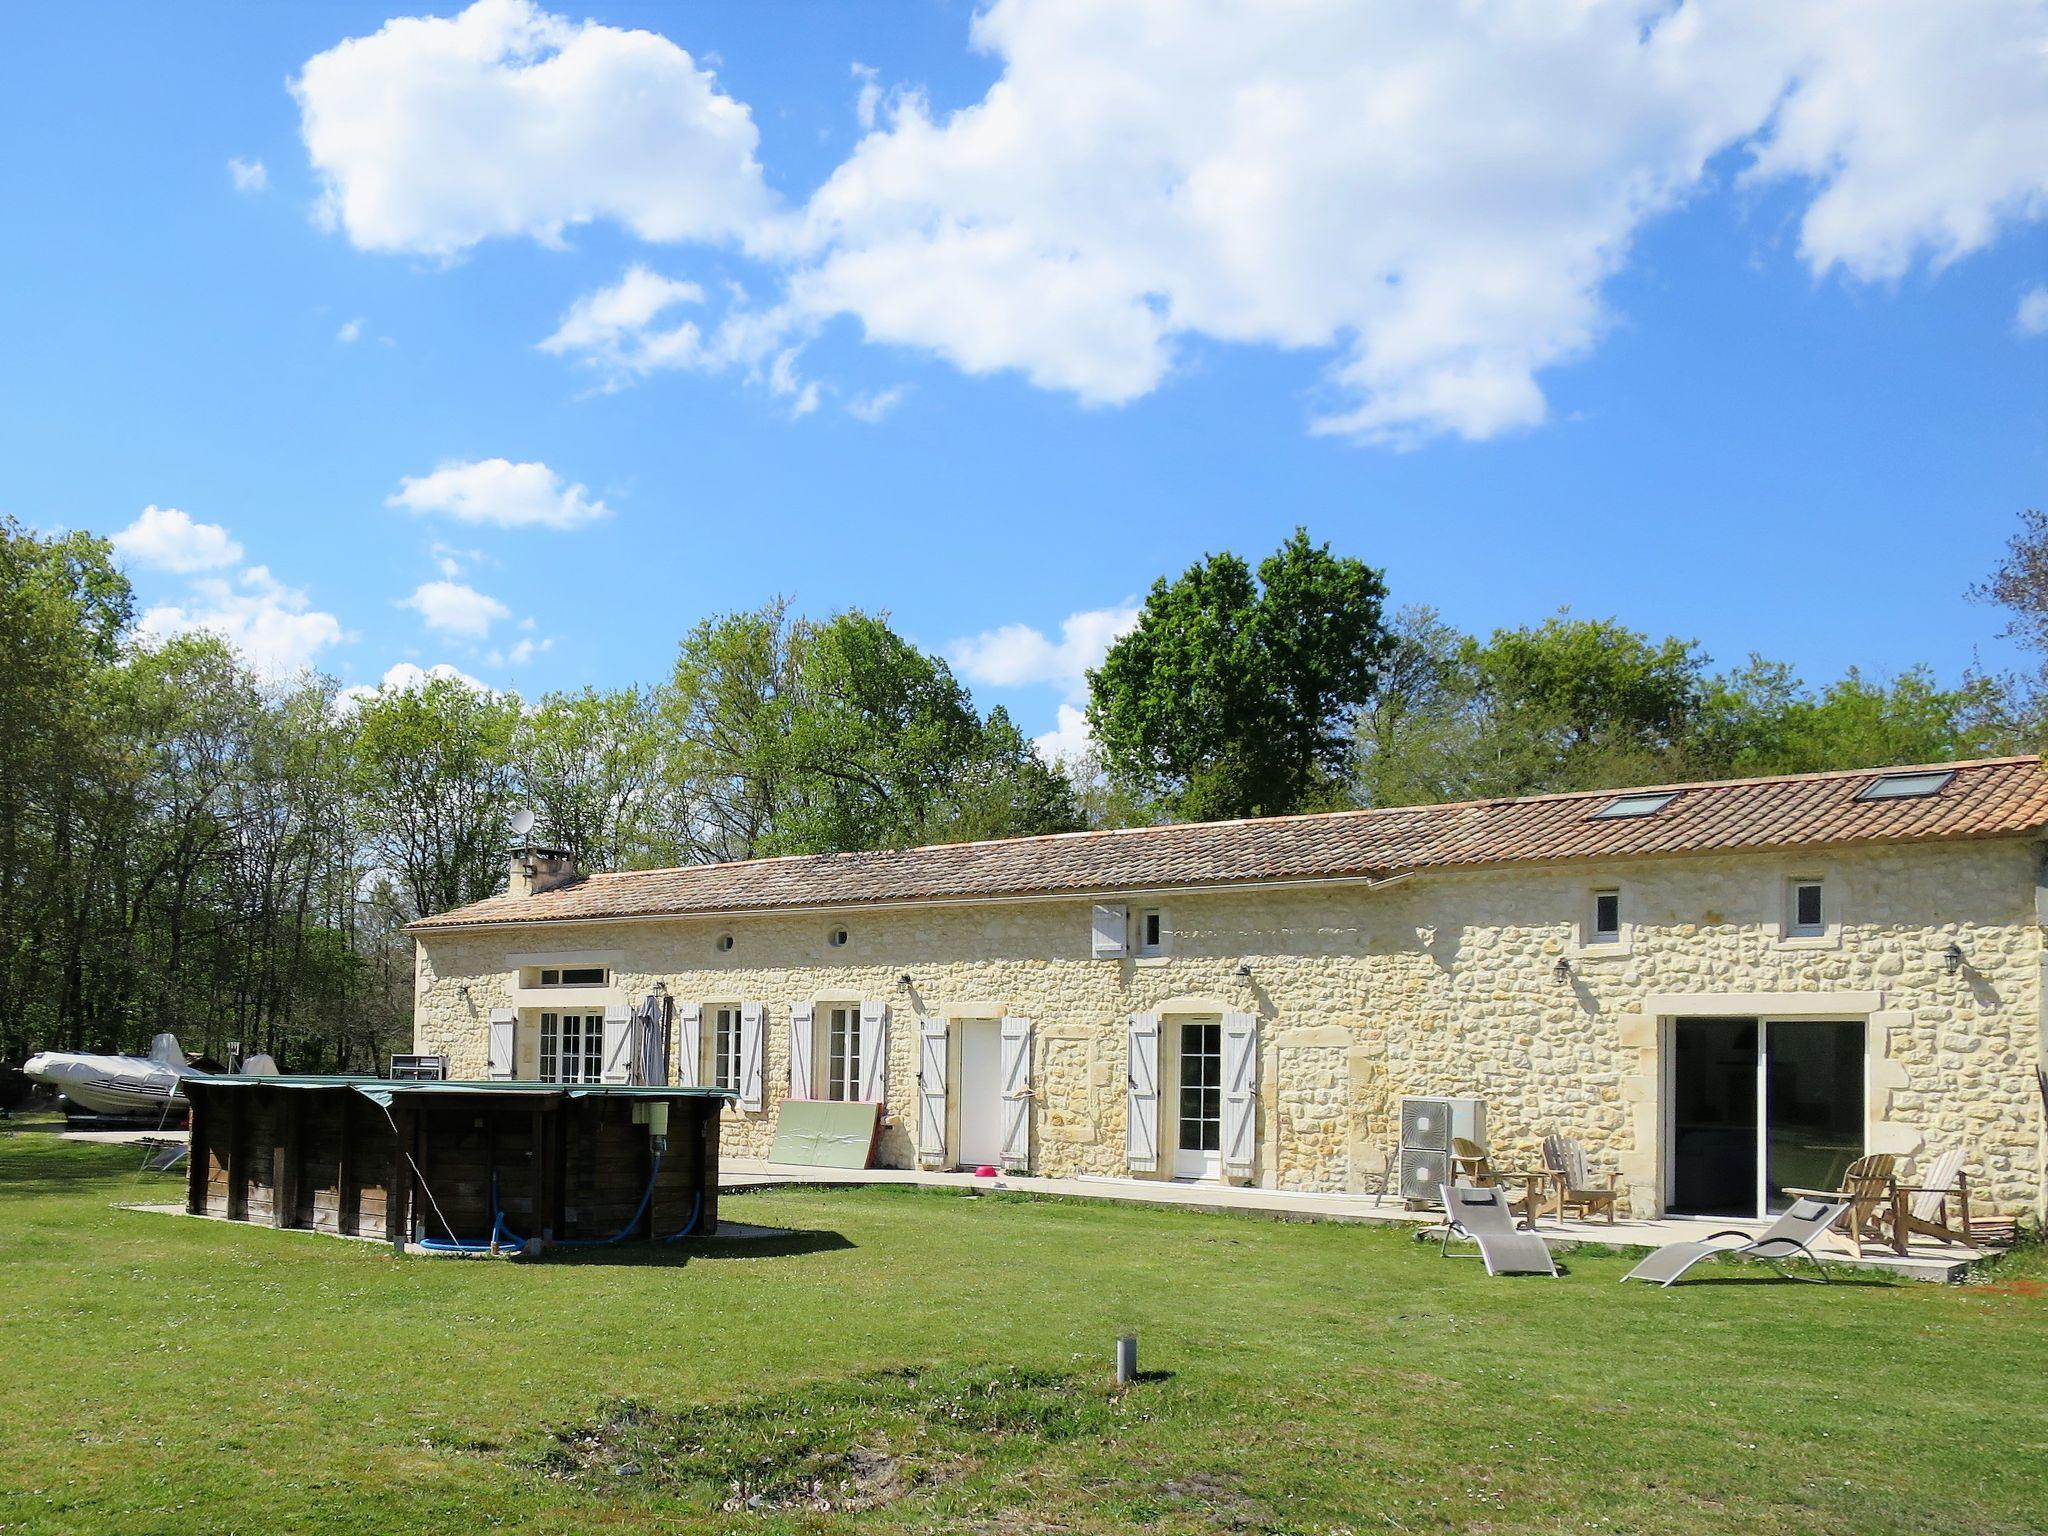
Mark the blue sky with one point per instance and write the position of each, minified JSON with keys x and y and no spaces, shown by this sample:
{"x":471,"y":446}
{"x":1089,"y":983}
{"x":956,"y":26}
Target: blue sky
{"x":1699,"y":337}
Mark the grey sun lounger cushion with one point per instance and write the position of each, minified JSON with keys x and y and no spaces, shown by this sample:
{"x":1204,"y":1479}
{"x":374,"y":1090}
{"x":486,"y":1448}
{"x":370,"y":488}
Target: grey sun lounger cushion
{"x":1791,"y":1236}
{"x":1483,"y":1216}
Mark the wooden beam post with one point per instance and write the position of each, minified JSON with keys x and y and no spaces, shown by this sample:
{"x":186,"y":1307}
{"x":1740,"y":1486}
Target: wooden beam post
{"x":238,"y":1158}
{"x":195,"y":1157}
{"x":397,"y":1201}
{"x":287,"y":1168}
{"x":347,"y":1214}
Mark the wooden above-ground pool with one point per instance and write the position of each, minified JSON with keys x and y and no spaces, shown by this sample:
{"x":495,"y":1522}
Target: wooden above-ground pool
{"x":456,"y":1165}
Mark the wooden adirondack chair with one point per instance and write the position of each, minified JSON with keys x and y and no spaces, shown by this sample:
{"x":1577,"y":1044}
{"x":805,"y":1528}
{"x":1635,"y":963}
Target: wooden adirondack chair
{"x":1927,"y":1211}
{"x":1574,"y":1185}
{"x":1470,"y":1164}
{"x":1872,"y":1193}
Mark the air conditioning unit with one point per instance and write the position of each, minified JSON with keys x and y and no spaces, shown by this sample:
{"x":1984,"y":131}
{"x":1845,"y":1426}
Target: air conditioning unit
{"x":419,"y":1069}
{"x":1428,"y":1126}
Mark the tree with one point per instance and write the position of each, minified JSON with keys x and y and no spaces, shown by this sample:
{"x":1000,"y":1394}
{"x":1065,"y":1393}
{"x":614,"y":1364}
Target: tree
{"x":1759,"y":719}
{"x":587,"y":766}
{"x":1234,"y":696}
{"x":1420,"y":736}
{"x":1585,"y":703}
{"x":795,"y":736}
{"x":433,"y":770}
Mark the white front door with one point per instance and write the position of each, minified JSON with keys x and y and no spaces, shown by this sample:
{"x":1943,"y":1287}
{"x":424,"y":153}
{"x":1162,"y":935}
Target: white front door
{"x":981,"y":1093}
{"x":1198,"y":1148}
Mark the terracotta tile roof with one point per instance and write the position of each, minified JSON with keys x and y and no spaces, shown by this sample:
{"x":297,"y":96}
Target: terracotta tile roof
{"x":2006,"y":797}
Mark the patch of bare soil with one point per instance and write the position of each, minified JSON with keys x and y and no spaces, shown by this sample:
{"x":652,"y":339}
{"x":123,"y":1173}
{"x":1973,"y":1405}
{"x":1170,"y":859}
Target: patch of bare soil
{"x":847,"y":1445}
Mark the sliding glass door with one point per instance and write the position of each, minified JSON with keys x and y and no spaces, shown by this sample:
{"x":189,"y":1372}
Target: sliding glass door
{"x":1759,"y":1107}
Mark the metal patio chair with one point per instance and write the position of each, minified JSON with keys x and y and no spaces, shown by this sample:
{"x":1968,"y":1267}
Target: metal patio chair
{"x":1485,"y":1216}
{"x":1790,"y":1236}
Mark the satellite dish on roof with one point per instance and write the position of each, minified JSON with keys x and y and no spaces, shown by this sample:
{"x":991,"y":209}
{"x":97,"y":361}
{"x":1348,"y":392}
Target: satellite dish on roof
{"x":522,"y":823}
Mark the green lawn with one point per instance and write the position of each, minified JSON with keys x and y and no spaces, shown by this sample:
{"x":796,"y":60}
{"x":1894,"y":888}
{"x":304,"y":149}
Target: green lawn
{"x":939,"y":1361}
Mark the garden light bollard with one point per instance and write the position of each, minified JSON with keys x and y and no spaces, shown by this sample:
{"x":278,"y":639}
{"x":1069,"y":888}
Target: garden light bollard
{"x":1127,"y":1359}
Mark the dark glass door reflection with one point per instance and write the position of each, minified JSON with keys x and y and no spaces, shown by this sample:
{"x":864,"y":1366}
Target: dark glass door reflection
{"x":1714,"y":1117}
{"x":1814,"y":1112}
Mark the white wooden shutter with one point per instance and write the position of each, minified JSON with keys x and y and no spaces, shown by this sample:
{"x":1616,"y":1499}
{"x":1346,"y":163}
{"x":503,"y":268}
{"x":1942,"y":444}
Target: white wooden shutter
{"x":503,"y":1038}
{"x":800,"y":1050}
{"x":619,"y":1035}
{"x":1017,"y":1094}
{"x":1110,"y":931}
{"x":931,"y":1090}
{"x":1240,"y":1090}
{"x":752,"y":1036}
{"x":874,"y":1052}
{"x":689,"y":1045}
{"x":1141,"y":1101}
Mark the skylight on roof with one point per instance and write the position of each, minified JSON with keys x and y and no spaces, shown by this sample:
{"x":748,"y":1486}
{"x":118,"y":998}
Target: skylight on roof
{"x":1906,"y":786}
{"x":1622,"y":807}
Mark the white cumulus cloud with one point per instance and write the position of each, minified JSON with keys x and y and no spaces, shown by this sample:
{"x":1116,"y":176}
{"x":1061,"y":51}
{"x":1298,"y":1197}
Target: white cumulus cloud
{"x":170,"y":540}
{"x":408,"y":677}
{"x":2031,"y":318}
{"x":454,"y":608}
{"x":615,"y":329}
{"x":1017,"y":655}
{"x":436,"y":133}
{"x":1429,"y":198}
{"x":1069,"y":743}
{"x":248,"y":175}
{"x":499,"y":493}
{"x":350,"y":333}
{"x":274,"y":626}
{"x":874,"y":405}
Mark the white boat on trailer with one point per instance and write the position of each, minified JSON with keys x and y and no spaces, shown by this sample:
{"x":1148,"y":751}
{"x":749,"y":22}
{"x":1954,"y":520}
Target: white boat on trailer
{"x":127,"y":1087}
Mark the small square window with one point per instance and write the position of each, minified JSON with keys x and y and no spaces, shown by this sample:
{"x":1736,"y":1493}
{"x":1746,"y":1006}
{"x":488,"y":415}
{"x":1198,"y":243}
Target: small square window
{"x":1152,"y":931}
{"x":1607,"y":917}
{"x":1809,"y":912}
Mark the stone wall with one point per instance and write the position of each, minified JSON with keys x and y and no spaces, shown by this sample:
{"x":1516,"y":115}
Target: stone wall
{"x":1440,"y":983}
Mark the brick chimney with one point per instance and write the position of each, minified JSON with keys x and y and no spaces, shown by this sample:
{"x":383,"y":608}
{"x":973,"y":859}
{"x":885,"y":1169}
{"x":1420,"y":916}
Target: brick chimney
{"x":536,"y":869}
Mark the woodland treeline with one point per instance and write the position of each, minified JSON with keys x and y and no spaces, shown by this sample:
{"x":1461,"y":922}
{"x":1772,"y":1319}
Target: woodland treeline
{"x":185,"y":846}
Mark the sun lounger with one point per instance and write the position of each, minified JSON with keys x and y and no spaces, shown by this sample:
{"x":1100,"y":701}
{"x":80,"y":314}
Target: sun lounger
{"x":1791,"y":1235}
{"x":1484,"y":1215}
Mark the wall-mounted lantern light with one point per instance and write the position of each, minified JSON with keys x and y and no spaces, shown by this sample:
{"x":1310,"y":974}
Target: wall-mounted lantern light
{"x":1563,"y":971}
{"x":661,"y":989}
{"x":903,"y":980}
{"x":462,"y":991}
{"x":1244,"y":969}
{"x":1952,"y":957}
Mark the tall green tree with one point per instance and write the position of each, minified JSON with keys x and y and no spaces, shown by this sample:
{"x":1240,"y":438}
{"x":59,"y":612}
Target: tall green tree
{"x":588,"y":765}
{"x":799,"y":736}
{"x":1234,"y":695}
{"x":434,"y":777}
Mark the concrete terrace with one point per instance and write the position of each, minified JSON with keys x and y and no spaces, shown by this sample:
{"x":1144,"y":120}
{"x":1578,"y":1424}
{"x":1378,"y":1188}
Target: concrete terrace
{"x":1923,"y":1260}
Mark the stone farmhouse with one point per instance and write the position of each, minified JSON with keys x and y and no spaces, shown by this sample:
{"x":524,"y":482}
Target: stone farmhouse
{"x":1721,"y":989}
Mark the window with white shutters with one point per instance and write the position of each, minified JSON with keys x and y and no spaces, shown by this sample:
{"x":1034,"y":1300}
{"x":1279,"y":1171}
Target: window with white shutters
{"x":725,"y":1048}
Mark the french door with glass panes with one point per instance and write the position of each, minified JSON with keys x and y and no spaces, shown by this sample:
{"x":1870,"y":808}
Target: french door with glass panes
{"x":1198,"y":1150}
{"x":1760,"y":1106}
{"x":842,"y":1053}
{"x":571,"y":1047}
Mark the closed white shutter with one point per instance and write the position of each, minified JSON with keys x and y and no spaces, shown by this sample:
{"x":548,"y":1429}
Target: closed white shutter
{"x":874,"y":1052}
{"x":799,"y":1050}
{"x":689,"y":1045}
{"x":752,"y":1038}
{"x":1017,"y":1094}
{"x":1141,"y":1101}
{"x":1110,"y":931}
{"x":504,"y":1036}
{"x":619,"y":1036}
{"x":931,"y":1090}
{"x":1240,"y":1090}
